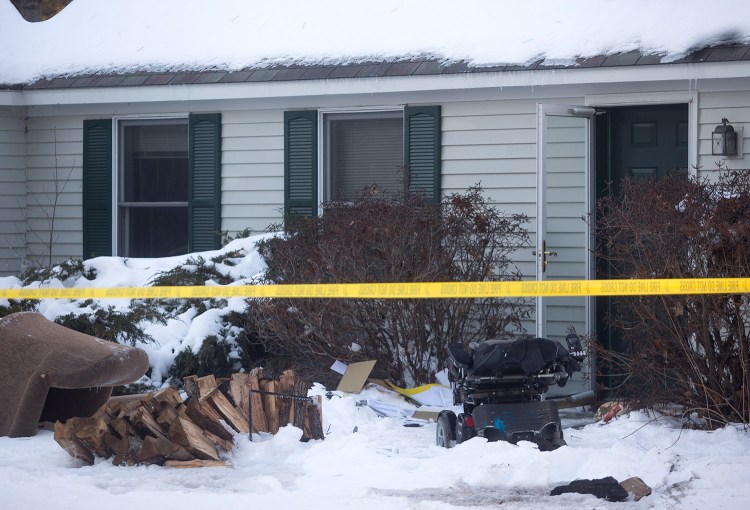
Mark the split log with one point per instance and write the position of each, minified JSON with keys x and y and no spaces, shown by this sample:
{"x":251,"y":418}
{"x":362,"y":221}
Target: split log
{"x":169,"y":395}
{"x":260,"y":422}
{"x":91,"y":432}
{"x":206,"y":385}
{"x":157,"y":451}
{"x":65,"y":437}
{"x":228,"y":412}
{"x":190,"y":436}
{"x":195,"y":463}
{"x":314,"y":419}
{"x":202,"y":414}
{"x":142,"y":419}
{"x":286,"y":385}
{"x":299,"y":407}
{"x":128,"y":458}
{"x":165,"y":414}
{"x":225,"y":444}
{"x":190,"y":385}
{"x":270,"y":405}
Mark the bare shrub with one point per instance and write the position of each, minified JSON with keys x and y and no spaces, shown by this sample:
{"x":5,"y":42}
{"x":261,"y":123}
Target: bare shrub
{"x":377,"y":238}
{"x":685,"y":349}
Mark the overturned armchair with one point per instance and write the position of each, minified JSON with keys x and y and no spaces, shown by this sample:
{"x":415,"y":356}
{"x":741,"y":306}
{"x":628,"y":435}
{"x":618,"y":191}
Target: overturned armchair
{"x":49,"y":372}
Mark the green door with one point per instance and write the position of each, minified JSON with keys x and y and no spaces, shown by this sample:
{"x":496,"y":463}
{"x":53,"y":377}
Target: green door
{"x":637,"y":142}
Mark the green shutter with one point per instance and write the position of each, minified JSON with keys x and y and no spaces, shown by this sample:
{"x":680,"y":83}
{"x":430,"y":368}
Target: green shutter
{"x":301,"y":163}
{"x":204,"y":182}
{"x":422,"y":149}
{"x":97,"y":188}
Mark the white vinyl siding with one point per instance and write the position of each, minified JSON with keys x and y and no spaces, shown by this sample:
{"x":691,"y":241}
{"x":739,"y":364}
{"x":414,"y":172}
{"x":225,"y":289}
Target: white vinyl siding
{"x":713,"y":106}
{"x":12,"y":193}
{"x":54,"y":160}
{"x":252,"y":173}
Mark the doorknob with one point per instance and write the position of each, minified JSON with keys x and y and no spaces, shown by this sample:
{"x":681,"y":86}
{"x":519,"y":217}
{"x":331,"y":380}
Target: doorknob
{"x":545,"y":254}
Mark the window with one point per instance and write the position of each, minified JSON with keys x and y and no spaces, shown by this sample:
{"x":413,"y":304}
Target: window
{"x":359,"y":149}
{"x":166,"y":179}
{"x":152,"y":208}
{"x":362,"y":150}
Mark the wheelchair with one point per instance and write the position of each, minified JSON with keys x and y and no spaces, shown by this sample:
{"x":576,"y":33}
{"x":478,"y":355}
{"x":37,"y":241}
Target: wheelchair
{"x":501,"y":385}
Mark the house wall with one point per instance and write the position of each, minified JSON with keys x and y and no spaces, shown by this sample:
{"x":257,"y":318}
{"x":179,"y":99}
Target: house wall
{"x":252,"y":173}
{"x":715,"y":105}
{"x":54,"y":190}
{"x":489,"y":137}
{"x":12,"y":191}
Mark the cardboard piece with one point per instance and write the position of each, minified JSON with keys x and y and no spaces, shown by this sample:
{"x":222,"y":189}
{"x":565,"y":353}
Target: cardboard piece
{"x":431,"y":414}
{"x":355,"y":377}
{"x":636,"y":487}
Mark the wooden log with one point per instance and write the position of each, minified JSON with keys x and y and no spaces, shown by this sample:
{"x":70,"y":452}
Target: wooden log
{"x":224,"y":444}
{"x":148,"y":453}
{"x":195,"y":463}
{"x":206,"y":385}
{"x":91,"y":431}
{"x":121,"y":427}
{"x":122,"y":408}
{"x":165,"y":413}
{"x":287,"y":383}
{"x":169,"y":395}
{"x":65,"y":437}
{"x":287,"y":380}
{"x":259,"y":373}
{"x":228,"y":412}
{"x":190,"y":385}
{"x":203,"y":415}
{"x":143,"y":421}
{"x":298,"y":406}
{"x":190,"y":436}
{"x":117,"y":445}
{"x":128,"y":458}
{"x":125,"y":398}
{"x":270,"y":406}
{"x":239,"y":389}
{"x":260,"y":423}
{"x":157,"y":451}
{"x":314,"y":419}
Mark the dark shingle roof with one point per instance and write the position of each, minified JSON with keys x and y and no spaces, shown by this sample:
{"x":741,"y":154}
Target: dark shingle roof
{"x":723,"y":53}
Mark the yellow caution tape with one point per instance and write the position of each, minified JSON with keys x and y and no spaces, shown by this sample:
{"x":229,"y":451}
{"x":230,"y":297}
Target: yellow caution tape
{"x":410,"y":392}
{"x":403,"y":290}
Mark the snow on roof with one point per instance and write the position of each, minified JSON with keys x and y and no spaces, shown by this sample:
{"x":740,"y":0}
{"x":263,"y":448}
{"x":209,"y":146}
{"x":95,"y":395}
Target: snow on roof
{"x":124,"y":36}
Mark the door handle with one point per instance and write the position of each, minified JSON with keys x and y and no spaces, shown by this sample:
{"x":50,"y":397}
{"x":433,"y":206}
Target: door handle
{"x":545,"y":255}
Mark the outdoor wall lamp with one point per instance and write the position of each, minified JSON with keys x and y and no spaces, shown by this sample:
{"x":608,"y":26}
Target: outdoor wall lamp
{"x":724,"y":140}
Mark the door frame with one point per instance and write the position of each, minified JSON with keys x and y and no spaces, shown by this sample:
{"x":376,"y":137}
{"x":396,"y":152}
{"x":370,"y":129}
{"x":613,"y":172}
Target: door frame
{"x":690,"y":98}
{"x":656,"y":98}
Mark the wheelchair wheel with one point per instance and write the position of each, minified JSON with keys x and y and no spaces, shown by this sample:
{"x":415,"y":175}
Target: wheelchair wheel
{"x":445,"y":431}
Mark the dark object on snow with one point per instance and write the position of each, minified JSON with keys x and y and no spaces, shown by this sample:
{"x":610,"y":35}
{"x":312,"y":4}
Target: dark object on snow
{"x":500,"y":384}
{"x":605,"y":488}
{"x":49,"y":372}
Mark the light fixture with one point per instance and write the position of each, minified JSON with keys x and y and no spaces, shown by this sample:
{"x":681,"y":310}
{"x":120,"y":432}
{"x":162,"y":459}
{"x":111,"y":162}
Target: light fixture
{"x":724,"y":140}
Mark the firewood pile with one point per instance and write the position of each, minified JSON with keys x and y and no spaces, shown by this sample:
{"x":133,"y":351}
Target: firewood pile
{"x":161,"y":428}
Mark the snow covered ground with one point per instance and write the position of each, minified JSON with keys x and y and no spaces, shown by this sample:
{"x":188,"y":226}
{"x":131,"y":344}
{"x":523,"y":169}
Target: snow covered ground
{"x":368,"y":462}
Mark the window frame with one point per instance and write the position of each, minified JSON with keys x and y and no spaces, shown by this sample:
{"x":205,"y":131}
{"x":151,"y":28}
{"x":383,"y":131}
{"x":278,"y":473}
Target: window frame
{"x":324,"y":178}
{"x":118,"y":174}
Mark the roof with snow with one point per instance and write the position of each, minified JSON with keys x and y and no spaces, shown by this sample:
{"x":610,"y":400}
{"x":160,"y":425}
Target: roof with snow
{"x":140,"y":42}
